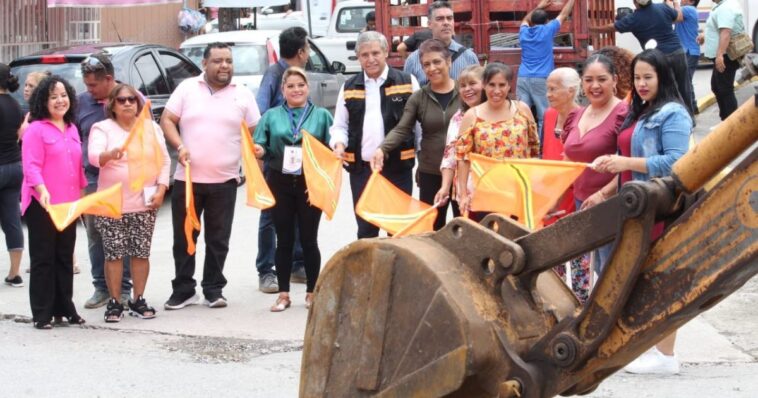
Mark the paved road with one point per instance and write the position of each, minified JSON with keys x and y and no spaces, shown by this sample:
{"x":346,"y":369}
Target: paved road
{"x":246,"y":351}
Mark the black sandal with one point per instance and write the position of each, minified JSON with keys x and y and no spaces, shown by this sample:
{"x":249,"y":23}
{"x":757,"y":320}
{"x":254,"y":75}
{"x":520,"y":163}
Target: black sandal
{"x":140,"y":309}
{"x":114,"y":312}
{"x":43,"y":325}
{"x":76,"y":320}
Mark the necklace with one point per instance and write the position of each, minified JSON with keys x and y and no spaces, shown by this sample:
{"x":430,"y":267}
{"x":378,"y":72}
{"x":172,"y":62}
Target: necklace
{"x":592,"y":112}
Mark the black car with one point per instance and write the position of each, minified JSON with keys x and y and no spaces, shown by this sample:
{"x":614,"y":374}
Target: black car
{"x":153,"y":69}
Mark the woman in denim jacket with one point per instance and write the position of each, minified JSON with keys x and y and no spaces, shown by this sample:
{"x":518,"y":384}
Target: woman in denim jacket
{"x":654,"y":136}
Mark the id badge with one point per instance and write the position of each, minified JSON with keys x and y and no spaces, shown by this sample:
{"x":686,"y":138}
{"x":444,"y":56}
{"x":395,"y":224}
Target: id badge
{"x":293,"y":160}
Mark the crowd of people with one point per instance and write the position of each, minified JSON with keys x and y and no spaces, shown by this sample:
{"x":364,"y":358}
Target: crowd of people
{"x":443,"y":107}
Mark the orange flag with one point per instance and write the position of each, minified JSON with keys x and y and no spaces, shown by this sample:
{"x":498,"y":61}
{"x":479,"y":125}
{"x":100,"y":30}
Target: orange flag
{"x":143,"y":151}
{"x":258,"y":193}
{"x":392,"y":210}
{"x":323,"y":175}
{"x":191,"y":223}
{"x":106,"y":203}
{"x":525,"y":188}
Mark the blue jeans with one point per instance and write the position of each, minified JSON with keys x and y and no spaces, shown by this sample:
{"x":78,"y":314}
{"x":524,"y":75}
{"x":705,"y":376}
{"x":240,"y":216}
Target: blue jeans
{"x":97,"y":255}
{"x":692,"y":61}
{"x":264,"y":260}
{"x":215,"y":204}
{"x":533,"y":92}
{"x":11,"y":176}
{"x":601,"y":254}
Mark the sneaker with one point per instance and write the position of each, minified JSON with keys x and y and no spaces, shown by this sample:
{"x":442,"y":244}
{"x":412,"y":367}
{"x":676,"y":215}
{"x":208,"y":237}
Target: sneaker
{"x":177,"y":301}
{"x":653,"y":362}
{"x":215,"y":301}
{"x":267,"y":283}
{"x":15,"y":281}
{"x":98,"y":299}
{"x":298,"y":276}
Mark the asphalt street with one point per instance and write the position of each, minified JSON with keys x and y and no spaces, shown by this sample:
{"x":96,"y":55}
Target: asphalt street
{"x":246,"y":351}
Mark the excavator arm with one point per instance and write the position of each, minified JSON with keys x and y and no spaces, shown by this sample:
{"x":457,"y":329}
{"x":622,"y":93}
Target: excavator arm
{"x":473,"y":310}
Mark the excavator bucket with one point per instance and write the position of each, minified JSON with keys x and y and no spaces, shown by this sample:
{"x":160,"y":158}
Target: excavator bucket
{"x":474,"y":310}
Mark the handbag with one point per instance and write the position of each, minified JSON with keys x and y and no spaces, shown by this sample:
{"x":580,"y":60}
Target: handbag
{"x":739,"y":45}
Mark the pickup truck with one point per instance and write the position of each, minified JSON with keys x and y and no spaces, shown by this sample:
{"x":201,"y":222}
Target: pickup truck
{"x":336,"y":39}
{"x":348,"y":19}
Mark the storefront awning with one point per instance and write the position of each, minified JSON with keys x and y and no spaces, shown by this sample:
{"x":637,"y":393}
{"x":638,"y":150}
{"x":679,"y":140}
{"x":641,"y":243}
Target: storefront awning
{"x":244,"y":3}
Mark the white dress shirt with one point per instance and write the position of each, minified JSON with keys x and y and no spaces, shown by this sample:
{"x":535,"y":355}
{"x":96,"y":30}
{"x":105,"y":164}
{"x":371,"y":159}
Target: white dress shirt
{"x":373,"y":122}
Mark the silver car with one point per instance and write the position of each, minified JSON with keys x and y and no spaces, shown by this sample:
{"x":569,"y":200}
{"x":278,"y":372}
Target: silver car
{"x":254,"y":50}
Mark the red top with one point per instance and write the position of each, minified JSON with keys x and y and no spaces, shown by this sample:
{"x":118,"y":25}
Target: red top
{"x":598,"y":141}
{"x":552,"y":149}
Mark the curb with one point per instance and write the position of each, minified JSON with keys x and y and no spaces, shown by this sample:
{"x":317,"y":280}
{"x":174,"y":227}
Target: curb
{"x":710,"y":99}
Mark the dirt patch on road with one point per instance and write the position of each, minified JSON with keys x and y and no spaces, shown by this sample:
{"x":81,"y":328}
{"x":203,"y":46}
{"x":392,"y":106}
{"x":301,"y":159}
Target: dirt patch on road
{"x":223,"y":350}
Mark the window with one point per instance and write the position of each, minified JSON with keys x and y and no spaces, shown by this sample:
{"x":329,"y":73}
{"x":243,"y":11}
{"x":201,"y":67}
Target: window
{"x":176,"y":68}
{"x":195,"y":54}
{"x":352,"y":19}
{"x":147,"y":77}
{"x":249,"y":59}
{"x":316,"y":61}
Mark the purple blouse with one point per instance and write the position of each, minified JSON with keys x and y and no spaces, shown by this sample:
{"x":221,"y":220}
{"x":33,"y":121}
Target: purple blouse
{"x":53,"y":158}
{"x":600,"y":140}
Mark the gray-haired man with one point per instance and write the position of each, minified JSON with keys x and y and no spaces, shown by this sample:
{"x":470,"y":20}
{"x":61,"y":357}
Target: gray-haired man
{"x":369,"y":105}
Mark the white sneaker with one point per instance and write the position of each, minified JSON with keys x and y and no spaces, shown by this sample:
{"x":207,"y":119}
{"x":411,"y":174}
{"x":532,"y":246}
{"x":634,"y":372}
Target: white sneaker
{"x":654,"y":362}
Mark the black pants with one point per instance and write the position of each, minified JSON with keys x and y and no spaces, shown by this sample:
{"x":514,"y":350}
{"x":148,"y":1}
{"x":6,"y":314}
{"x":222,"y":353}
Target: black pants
{"x":678,"y":63}
{"x":51,"y":254}
{"x":429,"y":185}
{"x":215,"y":204}
{"x":722,"y":85}
{"x":292,"y":206}
{"x":402,"y":179}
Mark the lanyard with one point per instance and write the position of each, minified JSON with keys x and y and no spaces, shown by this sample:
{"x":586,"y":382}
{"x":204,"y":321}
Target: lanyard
{"x":296,"y":126}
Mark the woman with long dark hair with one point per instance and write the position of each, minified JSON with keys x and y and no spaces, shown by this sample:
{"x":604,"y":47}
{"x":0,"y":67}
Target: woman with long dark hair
{"x":11,"y":118}
{"x":499,"y":128}
{"x":53,"y":173}
{"x":653,"y":137}
{"x":590,"y":132}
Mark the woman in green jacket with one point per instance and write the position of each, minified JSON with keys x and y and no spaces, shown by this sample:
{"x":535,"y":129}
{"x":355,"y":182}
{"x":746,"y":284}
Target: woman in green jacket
{"x":278,"y":139}
{"x":433,"y":106}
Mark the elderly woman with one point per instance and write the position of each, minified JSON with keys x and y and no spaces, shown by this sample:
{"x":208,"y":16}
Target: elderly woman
{"x":132,"y":234}
{"x":433,"y":106}
{"x":562,"y":89}
{"x":11,"y":175}
{"x":53,"y":173}
{"x":499,"y":128}
{"x":591,"y":132}
{"x":471,"y":91}
{"x":653,"y":137}
{"x":278,"y":139}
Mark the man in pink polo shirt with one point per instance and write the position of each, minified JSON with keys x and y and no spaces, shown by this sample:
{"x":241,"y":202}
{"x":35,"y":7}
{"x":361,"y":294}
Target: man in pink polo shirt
{"x":207,"y":110}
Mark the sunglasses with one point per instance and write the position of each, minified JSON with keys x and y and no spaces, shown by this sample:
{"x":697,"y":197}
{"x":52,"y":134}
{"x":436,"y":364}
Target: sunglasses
{"x":123,"y":100}
{"x":92,"y":64}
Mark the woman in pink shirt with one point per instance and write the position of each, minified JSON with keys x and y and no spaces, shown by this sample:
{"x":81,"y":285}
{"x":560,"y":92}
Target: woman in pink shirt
{"x":53,"y":173}
{"x":133,"y":233}
{"x":591,"y":131}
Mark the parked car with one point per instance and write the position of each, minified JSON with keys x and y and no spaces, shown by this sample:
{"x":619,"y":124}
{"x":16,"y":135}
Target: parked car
{"x":153,"y":69}
{"x":254,"y":50}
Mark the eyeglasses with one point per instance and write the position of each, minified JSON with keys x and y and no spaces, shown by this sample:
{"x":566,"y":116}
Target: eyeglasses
{"x":92,"y":64}
{"x":123,"y":100}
